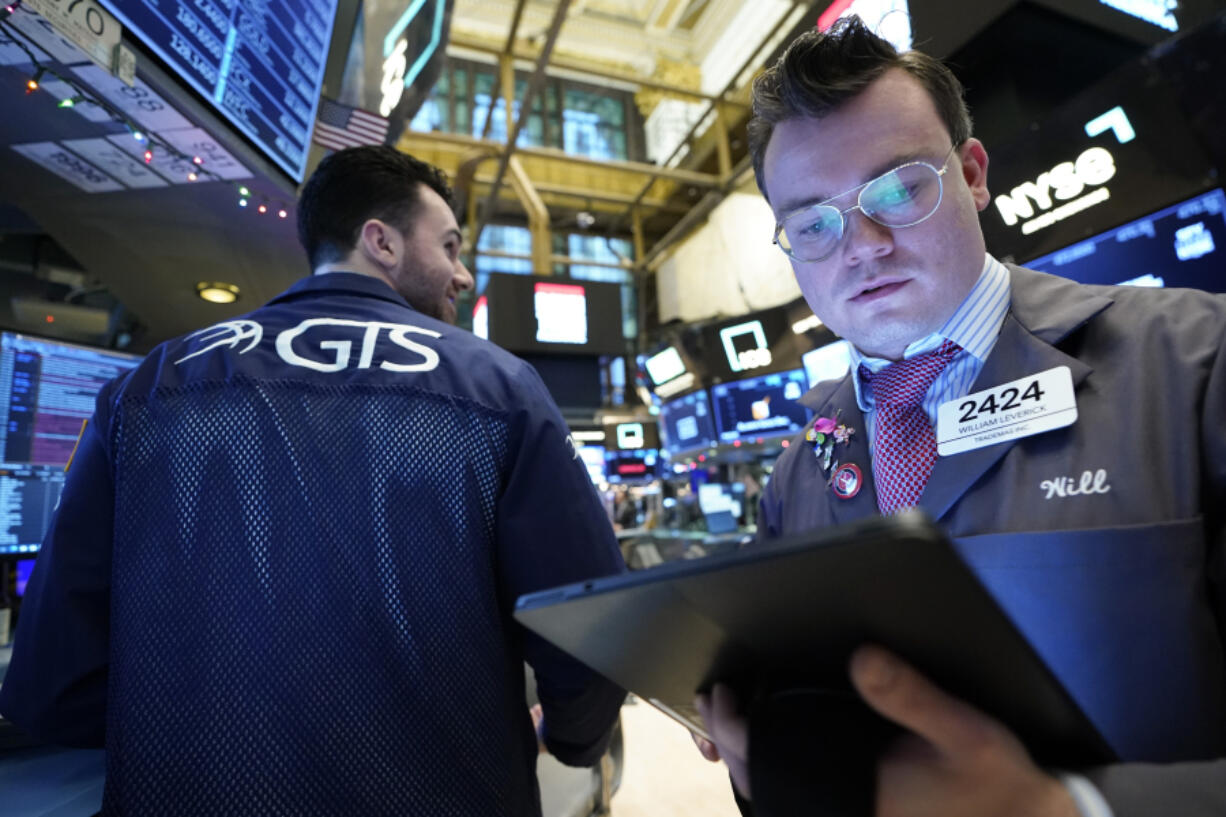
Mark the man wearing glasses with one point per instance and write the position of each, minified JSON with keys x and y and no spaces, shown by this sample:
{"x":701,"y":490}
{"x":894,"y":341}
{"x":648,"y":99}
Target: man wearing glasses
{"x":1100,"y":530}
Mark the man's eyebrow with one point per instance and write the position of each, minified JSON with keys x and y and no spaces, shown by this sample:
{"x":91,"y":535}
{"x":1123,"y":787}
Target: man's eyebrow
{"x":452,"y":231}
{"x":882,"y":168}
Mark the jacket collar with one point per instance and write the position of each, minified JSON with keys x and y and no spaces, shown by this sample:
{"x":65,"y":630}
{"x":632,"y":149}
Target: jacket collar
{"x":1044,"y":310}
{"x":353,"y":283}
{"x":1050,"y":307}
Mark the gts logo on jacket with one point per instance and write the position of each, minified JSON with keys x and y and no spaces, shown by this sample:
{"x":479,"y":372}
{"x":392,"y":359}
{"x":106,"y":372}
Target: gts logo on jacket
{"x":327,"y":344}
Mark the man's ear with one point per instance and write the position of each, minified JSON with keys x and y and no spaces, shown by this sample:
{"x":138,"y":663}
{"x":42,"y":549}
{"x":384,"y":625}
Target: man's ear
{"x":380,"y":243}
{"x":975,"y":171}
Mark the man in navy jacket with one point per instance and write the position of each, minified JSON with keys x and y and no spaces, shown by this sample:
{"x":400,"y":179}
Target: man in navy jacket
{"x":282,"y":571}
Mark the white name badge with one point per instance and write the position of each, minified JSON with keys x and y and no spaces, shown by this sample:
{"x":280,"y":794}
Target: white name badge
{"x":1034,"y":404}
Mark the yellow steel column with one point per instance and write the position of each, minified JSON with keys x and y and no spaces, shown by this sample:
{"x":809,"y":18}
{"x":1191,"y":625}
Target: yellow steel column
{"x":721,"y":143}
{"x":636,"y":230}
{"x":506,"y":66}
{"x":538,"y":217}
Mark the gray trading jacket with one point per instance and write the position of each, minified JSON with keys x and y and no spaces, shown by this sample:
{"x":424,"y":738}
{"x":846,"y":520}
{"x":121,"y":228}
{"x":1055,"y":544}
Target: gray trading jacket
{"x":1118,"y":587}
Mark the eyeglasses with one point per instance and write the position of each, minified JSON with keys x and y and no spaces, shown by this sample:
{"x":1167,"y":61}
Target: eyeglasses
{"x":902,"y":197}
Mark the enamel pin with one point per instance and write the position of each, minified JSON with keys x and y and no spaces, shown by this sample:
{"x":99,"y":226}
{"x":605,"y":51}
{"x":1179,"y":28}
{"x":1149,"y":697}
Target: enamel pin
{"x":825,"y":435}
{"x":846,"y":481}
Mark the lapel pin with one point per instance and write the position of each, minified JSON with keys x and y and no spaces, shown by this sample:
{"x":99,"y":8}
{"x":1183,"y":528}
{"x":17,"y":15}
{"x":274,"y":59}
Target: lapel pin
{"x":846,"y":481}
{"x":824,"y":435}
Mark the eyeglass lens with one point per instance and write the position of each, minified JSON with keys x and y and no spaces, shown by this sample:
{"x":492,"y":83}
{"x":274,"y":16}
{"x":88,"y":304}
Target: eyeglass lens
{"x":905,"y":196}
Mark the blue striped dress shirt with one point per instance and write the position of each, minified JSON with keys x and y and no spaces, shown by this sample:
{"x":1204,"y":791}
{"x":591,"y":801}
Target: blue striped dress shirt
{"x":974,"y":326}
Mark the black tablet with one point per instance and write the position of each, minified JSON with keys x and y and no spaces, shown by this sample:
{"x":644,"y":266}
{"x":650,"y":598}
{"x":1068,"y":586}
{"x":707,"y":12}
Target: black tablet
{"x":795,"y":609}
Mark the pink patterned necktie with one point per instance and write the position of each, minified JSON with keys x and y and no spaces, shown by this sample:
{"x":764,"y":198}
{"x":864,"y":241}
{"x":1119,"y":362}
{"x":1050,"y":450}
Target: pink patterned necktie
{"x":904,"y":445}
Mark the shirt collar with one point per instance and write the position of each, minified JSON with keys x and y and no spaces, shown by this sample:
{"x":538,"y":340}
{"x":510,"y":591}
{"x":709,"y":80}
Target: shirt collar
{"x":974,"y":326}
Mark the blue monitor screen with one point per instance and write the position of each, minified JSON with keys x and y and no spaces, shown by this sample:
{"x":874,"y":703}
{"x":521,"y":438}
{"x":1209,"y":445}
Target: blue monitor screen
{"x":24,"y":568}
{"x":1183,"y":245}
{"x":762,"y":406}
{"x":260,"y":64}
{"x":687,"y":423}
{"x":47,"y":391}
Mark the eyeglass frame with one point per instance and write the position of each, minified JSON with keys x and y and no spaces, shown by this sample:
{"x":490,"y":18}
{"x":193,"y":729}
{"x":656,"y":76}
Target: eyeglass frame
{"x":843,"y":213}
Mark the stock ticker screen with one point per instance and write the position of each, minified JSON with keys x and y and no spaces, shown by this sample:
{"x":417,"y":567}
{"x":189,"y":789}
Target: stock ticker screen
{"x":260,"y":64}
{"x":47,"y":391}
{"x":1178,"y":246}
{"x":686,"y":422}
{"x":759,"y":407}
{"x":642,"y":465}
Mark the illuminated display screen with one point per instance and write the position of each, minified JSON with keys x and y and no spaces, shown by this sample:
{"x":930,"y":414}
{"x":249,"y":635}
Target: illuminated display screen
{"x":47,"y":391}
{"x":561,"y":313}
{"x":632,"y":466}
{"x":760,"y":406}
{"x":1183,"y":245}
{"x":829,"y":362}
{"x":722,"y":505}
{"x":632,"y":436}
{"x":1155,"y":12}
{"x":687,"y":422}
{"x":1118,"y":150}
{"x":664,"y":366}
{"x":24,"y":568}
{"x":593,"y":458}
{"x":260,"y":64}
{"x":481,"y":318}
{"x":890,"y":19}
{"x":545,"y":314}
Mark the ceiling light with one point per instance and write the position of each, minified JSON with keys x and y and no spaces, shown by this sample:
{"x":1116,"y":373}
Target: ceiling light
{"x":217,"y":293}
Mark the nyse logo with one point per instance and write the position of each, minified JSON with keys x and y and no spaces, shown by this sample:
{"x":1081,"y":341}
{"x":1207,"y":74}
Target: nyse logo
{"x":333,"y":339}
{"x":1036,"y":201}
{"x":1095,"y":166}
{"x":392,"y":86}
{"x":398,"y":73}
{"x":740,"y":359}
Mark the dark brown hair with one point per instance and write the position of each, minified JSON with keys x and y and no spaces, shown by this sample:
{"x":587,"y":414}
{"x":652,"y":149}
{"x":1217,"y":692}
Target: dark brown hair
{"x":354,"y":185}
{"x":821,"y":70}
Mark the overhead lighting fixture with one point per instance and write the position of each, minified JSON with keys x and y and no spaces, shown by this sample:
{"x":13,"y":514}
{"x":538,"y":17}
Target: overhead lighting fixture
{"x":217,"y":293}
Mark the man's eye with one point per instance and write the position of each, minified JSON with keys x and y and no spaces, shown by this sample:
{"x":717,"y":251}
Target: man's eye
{"x":815,"y":228}
{"x":896,"y":194}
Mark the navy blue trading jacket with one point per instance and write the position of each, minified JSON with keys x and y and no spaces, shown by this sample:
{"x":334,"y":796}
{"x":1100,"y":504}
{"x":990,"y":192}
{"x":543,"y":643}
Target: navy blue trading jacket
{"x":281,"y":576}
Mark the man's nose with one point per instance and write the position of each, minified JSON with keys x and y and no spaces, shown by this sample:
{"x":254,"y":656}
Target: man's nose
{"x":864,"y":238}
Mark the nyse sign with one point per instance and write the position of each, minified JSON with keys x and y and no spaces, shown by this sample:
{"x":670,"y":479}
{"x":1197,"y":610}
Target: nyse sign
{"x":1064,"y":182}
{"x":741,"y":359}
{"x":407,"y":47}
{"x":1036,"y":201}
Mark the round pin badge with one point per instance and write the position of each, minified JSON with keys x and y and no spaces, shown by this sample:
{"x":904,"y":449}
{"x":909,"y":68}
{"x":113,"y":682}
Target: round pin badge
{"x":846,"y":481}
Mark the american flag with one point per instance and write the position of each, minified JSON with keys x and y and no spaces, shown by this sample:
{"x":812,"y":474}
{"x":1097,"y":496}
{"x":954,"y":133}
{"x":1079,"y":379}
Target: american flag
{"x":339,"y":126}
